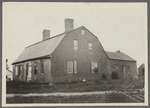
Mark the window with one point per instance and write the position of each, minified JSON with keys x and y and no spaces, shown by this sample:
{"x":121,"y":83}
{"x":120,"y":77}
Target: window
{"x":90,"y":46}
{"x":16,"y":70}
{"x":128,"y":68}
{"x":42,"y":66}
{"x":35,"y":67}
{"x":94,"y":67}
{"x":75,"y":45}
{"x":71,"y":67}
{"x":20,"y":70}
{"x":124,"y":72}
{"x":82,"y":32}
{"x":27,"y":69}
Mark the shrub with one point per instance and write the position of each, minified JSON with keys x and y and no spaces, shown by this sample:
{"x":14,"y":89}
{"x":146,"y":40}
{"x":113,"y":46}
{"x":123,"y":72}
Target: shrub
{"x":104,"y":77}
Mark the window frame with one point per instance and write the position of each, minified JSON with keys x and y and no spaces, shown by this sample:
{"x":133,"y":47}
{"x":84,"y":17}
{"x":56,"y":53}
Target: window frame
{"x":35,"y":67}
{"x":90,"y":46}
{"x":94,"y":67}
{"x":75,"y":44}
{"x":82,"y":32}
{"x":73,"y":67}
{"x":20,"y":69}
{"x":42,"y":66}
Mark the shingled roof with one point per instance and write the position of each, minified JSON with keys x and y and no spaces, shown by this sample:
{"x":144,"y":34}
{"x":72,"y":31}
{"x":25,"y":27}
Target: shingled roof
{"x":119,"y":56}
{"x":40,"y":49}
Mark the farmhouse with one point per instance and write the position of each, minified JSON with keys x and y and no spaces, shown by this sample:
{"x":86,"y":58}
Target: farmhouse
{"x":73,"y":55}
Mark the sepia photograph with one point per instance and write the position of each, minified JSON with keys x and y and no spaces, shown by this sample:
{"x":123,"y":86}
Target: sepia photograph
{"x":73,"y":54}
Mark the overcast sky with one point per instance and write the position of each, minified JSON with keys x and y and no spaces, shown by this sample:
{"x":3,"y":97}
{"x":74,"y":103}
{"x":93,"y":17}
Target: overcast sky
{"x":118,"y":26}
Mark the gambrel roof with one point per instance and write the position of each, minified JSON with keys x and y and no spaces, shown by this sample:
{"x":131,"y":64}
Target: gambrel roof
{"x":46,"y":48}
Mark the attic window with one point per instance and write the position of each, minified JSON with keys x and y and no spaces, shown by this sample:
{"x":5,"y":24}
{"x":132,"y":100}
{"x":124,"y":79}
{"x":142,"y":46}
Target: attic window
{"x":82,"y":32}
{"x":42,"y":66}
{"x":90,"y":46}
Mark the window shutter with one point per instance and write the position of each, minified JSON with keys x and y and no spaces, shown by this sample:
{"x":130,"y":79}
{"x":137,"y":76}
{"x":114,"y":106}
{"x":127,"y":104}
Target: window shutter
{"x":75,"y":66}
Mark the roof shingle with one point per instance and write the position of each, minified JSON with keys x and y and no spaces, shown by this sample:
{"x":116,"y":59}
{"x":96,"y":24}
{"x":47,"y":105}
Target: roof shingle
{"x":40,"y":49}
{"x":119,"y":56}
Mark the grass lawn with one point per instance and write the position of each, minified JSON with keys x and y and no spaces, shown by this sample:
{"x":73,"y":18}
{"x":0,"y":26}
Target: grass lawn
{"x":102,"y":85}
{"x":22,"y":87}
{"x":105,"y":98}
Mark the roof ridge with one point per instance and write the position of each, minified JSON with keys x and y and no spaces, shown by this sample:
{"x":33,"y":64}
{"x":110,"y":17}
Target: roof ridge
{"x":45,"y":40}
{"x":120,"y":54}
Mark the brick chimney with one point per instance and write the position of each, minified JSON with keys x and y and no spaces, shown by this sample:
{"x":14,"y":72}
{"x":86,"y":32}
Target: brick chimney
{"x":69,"y":24}
{"x":118,"y":51}
{"x":46,"y":34}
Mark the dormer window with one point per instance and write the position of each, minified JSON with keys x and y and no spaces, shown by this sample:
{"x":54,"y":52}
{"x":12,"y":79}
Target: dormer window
{"x":75,"y":42}
{"x":90,"y":46}
{"x":82,"y":32}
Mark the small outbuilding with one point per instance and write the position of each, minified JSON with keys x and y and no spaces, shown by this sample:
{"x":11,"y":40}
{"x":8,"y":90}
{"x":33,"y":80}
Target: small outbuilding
{"x":141,"y":71}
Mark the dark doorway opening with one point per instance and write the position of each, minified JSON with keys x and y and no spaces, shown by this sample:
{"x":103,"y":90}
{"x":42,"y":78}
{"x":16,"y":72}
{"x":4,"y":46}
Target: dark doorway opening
{"x":114,"y":75}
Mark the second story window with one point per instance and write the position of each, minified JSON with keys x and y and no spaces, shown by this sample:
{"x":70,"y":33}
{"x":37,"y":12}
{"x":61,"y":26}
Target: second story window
{"x":42,"y":66}
{"x":82,"y":32}
{"x":90,"y":46}
{"x":75,"y":42}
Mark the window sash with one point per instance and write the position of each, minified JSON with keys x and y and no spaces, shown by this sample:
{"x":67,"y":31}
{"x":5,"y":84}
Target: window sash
{"x":94,"y":67}
{"x":42,"y":66}
{"x":82,"y":32}
{"x":16,"y":70}
{"x":35,"y":67}
{"x":69,"y":67}
{"x":75,"y":45}
{"x":90,"y":46}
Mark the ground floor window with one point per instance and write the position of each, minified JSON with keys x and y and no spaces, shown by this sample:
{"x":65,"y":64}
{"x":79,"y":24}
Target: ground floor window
{"x":20,"y":70}
{"x":42,"y":66}
{"x":71,"y":67}
{"x":35,"y":67}
{"x":94,"y":67}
